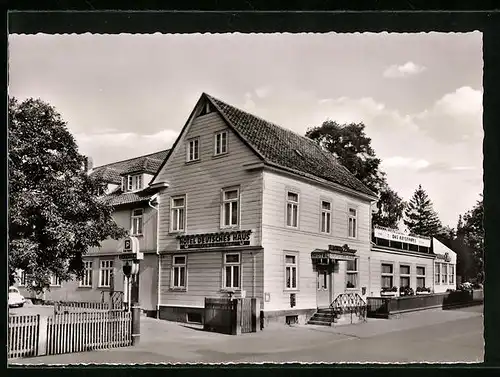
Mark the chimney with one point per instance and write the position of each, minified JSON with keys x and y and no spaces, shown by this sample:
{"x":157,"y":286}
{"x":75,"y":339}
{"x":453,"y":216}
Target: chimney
{"x":88,"y":164}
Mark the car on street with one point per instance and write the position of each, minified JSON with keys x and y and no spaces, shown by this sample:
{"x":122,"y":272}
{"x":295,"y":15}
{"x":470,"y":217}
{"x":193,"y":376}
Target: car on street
{"x":16,"y":299}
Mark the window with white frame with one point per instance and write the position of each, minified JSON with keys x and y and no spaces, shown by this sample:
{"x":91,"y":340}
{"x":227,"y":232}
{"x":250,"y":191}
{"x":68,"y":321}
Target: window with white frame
{"x":292,"y":209}
{"x":387,"y":275}
{"x":231,"y":271}
{"x":352,"y":223}
{"x":129,"y":183}
{"x":179,"y":271}
{"x":55,"y":281}
{"x":230,"y":207}
{"x":220,"y":143}
{"x":193,"y":150}
{"x":22,"y":278}
{"x":352,"y":273}
{"x":105,"y":273}
{"x":291,"y":264}
{"x":437,"y":273}
{"x":178,"y":213}
{"x":86,"y":280}
{"x":137,"y":182}
{"x":451,"y":274}
{"x":420,"y":277}
{"x":137,"y":221}
{"x":326,"y":216}
{"x":444,"y":273}
{"x":404,"y":276}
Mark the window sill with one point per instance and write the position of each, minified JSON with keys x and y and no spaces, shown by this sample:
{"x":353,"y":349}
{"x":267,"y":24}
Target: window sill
{"x":193,"y":162}
{"x":230,"y":227}
{"x":230,"y":290}
{"x":174,"y":289}
{"x":137,"y":235}
{"x":220,"y":155}
{"x":104,"y":287}
{"x":85,"y":287}
{"x":177,"y":233}
{"x":291,"y":290}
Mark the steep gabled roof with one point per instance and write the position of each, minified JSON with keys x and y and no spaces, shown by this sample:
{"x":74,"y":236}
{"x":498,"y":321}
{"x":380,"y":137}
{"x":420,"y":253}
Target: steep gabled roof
{"x":287,"y":150}
{"x":279,"y":147}
{"x":117,"y":198}
{"x":149,"y":163}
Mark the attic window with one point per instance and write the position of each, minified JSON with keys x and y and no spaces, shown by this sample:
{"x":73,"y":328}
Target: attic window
{"x":207,"y":108}
{"x":298,"y":152}
{"x":132,"y":182}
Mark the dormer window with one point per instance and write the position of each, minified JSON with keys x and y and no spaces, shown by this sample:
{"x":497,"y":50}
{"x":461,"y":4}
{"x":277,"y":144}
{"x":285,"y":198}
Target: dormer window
{"x":132,"y":182}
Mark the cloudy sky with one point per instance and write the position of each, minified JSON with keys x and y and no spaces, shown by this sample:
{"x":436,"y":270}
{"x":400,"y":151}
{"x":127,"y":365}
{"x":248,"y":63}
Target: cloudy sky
{"x":419,"y":95}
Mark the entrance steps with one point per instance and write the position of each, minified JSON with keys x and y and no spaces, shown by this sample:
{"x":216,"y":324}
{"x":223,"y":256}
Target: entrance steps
{"x":323,"y":317}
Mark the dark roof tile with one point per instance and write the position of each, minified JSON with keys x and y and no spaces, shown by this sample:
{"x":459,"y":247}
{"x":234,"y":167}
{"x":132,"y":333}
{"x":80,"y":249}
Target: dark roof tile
{"x":288,"y":150}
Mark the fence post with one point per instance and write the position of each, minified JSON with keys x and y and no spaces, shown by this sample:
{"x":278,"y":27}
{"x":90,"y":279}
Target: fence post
{"x":42,"y":335}
{"x":136,"y":324}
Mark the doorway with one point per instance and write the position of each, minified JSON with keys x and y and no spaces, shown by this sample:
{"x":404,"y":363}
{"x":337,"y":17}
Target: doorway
{"x":324,"y":286}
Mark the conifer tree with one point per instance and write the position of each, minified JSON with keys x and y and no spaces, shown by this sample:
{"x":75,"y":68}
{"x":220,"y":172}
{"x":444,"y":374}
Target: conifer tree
{"x":420,"y":217}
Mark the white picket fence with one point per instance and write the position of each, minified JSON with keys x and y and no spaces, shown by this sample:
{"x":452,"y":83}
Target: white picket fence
{"x":35,"y":335}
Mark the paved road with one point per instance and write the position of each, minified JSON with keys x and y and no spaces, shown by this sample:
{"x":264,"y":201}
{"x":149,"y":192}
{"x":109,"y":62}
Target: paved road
{"x":427,"y":336}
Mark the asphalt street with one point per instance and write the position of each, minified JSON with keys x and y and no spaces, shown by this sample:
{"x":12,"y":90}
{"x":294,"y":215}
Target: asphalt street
{"x":426,"y":336}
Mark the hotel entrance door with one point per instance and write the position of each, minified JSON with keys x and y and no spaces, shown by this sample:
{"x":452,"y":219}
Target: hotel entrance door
{"x":324,"y":286}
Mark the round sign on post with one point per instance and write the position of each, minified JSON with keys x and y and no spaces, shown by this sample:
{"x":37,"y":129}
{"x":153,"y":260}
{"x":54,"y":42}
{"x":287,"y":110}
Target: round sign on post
{"x":130,"y":249}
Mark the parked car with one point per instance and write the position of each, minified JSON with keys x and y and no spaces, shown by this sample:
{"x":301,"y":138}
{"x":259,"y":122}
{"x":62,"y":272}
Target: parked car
{"x":16,"y":299}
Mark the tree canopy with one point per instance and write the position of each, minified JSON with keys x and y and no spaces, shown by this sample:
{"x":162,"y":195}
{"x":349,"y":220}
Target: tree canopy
{"x":54,"y":211}
{"x":470,"y":233}
{"x":420,"y":217}
{"x":352,"y":147}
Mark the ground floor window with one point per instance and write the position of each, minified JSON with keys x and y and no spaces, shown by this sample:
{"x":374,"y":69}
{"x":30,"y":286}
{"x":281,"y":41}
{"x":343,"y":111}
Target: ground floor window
{"x":444,"y":273}
{"x":21,"y":275}
{"x":352,"y":274}
{"x":290,"y":271}
{"x":86,"y":280}
{"x":179,"y":271}
{"x":387,"y":275}
{"x":105,"y":273}
{"x":404,"y":276}
{"x":55,"y":281}
{"x":451,"y":274}
{"x":437,"y":273}
{"x":420,"y":277}
{"x":231,"y":271}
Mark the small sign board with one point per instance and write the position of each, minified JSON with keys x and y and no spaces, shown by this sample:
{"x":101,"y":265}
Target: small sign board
{"x":131,"y":249}
{"x":446,"y":257}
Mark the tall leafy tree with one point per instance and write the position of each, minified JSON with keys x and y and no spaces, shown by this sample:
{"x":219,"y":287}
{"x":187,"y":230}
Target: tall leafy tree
{"x":420,"y":217}
{"x":471,"y":234}
{"x":54,"y":211}
{"x":390,"y":207}
{"x":352,"y":147}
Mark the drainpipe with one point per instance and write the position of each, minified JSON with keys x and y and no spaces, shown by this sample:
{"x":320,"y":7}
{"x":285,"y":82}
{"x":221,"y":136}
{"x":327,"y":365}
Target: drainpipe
{"x":158,"y":269}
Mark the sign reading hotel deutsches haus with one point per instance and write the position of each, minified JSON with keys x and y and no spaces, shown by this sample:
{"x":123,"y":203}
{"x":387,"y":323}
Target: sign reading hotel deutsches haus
{"x":221,"y":239}
{"x":392,"y":235}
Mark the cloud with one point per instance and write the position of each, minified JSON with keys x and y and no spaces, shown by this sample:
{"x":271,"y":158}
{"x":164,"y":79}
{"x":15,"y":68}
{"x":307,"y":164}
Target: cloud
{"x":404,"y":162}
{"x":263,"y":92}
{"x":405,"y":70}
{"x":115,"y":146}
{"x":249,"y":104}
{"x":456,"y":117}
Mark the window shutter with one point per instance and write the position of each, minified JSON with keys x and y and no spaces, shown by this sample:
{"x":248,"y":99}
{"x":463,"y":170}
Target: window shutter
{"x":123,"y":184}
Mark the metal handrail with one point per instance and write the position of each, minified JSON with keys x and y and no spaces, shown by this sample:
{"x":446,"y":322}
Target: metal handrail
{"x":349,"y":303}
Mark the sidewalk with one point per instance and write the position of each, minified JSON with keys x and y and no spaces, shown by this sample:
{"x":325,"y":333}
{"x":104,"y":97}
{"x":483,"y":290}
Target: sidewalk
{"x":170,"y":342}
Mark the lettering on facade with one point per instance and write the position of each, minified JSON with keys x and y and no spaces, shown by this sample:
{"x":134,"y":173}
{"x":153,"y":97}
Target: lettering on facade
{"x":393,"y":235}
{"x":446,"y":257}
{"x":341,"y":249}
{"x":222,"y":239}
